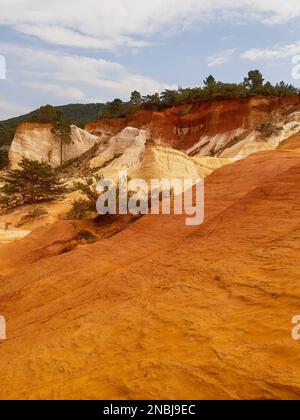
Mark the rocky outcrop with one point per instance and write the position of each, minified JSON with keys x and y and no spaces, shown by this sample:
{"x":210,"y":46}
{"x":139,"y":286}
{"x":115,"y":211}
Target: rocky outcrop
{"x":132,"y":150}
{"x":36,"y":141}
{"x":280,"y":130}
{"x":123,"y":150}
{"x":216,"y":121}
{"x":166,"y":163}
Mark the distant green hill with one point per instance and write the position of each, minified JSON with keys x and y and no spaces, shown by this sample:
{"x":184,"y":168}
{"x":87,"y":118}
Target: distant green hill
{"x":78,"y":114}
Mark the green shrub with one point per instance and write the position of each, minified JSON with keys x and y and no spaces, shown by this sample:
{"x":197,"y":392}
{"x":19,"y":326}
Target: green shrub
{"x":32,"y":182}
{"x":85,"y":235}
{"x":267,"y":129}
{"x":37,"y":212}
{"x":81,"y":209}
{"x":3,"y":158}
{"x":32,"y":215}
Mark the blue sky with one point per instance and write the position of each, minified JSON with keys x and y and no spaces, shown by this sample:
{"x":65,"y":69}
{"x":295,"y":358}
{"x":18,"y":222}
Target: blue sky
{"x":94,"y":51}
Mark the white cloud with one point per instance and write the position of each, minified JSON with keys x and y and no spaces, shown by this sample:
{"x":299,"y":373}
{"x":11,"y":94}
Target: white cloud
{"x":76,"y":77}
{"x":63,"y":36}
{"x":68,"y":93}
{"x":108,"y":25}
{"x":275,"y":53}
{"x":220,"y":58}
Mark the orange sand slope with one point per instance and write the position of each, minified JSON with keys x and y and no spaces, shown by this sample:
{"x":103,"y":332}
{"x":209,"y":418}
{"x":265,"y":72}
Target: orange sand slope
{"x":162,"y":310}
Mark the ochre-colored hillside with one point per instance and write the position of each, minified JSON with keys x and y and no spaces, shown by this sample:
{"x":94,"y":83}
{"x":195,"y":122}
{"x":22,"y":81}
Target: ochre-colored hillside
{"x":161,"y":310}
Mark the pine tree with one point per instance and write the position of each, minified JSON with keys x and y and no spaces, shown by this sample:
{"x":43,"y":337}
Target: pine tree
{"x":3,"y":159}
{"x":136,"y":98}
{"x":61,"y":126}
{"x":255,"y":80}
{"x":62,"y":132}
{"x":33,"y":182}
{"x":210,"y":81}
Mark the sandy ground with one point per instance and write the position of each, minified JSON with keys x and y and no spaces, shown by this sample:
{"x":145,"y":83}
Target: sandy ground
{"x":162,"y":310}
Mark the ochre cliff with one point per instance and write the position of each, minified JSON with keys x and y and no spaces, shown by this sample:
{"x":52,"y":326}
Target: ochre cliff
{"x":185,"y":125}
{"x":161,"y":310}
{"x":132,"y":149}
{"x":217,"y":128}
{"x":35,"y":141}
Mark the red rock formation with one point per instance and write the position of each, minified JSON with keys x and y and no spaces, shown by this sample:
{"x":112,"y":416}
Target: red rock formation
{"x":184,"y":125}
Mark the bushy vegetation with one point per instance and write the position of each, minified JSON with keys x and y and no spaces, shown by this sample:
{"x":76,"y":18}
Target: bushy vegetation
{"x":83,"y":207}
{"x":267,"y":129}
{"x":88,"y":189}
{"x":37,"y":212}
{"x":253,"y":84}
{"x":32,"y":215}
{"x":85,"y":236}
{"x":33,"y":182}
{"x":118,"y":109}
{"x":7,"y":132}
{"x":3,"y":158}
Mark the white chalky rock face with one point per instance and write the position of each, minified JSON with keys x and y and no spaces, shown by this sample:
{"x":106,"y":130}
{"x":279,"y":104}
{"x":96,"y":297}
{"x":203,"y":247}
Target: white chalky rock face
{"x":166,"y":163}
{"x":123,"y":150}
{"x":130,"y":151}
{"x":7,"y":236}
{"x":255,"y":142}
{"x":211,"y":145}
{"x":239,"y":144}
{"x":36,"y":142}
{"x":157,"y":162}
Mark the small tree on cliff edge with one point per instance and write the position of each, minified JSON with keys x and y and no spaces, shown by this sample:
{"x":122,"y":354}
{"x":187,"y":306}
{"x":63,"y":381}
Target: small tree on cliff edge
{"x":61,"y":126}
{"x":33,"y":182}
{"x":209,"y":81}
{"x":136,"y":98}
{"x":62,"y":132}
{"x":255,"y":80}
{"x":3,"y":159}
